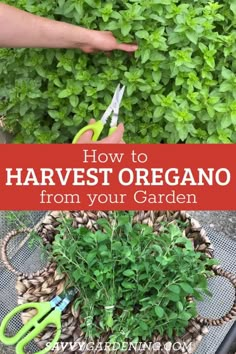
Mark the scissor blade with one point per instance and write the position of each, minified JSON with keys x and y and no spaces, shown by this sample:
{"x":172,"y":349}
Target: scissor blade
{"x":115,"y":103}
{"x":42,"y":310}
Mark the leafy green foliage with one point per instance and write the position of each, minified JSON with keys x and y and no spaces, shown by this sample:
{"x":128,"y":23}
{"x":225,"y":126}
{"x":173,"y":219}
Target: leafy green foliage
{"x":180,"y":83}
{"x":20,"y":219}
{"x":132,"y":282}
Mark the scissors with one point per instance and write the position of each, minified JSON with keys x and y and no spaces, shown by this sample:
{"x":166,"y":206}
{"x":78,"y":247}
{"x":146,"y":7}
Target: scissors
{"x":48,"y":313}
{"x":98,"y":126}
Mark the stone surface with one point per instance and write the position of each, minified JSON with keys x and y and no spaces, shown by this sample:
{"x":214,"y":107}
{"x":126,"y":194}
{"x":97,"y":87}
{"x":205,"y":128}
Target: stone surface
{"x":223,"y":222}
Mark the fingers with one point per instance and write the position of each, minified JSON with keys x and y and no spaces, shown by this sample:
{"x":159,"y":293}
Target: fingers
{"x":87,"y":136}
{"x":116,"y":137}
{"x":127,"y":47}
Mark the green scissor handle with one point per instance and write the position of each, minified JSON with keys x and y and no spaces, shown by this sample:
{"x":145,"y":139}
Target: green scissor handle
{"x":96,"y":128}
{"x":33,"y":327}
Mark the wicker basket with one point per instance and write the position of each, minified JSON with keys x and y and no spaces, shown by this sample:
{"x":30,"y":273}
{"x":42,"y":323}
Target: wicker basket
{"x":45,"y":284}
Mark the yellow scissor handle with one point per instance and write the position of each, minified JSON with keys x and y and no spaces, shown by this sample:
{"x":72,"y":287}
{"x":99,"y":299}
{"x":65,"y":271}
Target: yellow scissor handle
{"x":97,"y":128}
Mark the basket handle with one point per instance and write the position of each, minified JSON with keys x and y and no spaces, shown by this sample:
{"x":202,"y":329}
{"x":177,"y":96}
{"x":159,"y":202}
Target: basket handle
{"x":232,"y":312}
{"x":4,"y":256}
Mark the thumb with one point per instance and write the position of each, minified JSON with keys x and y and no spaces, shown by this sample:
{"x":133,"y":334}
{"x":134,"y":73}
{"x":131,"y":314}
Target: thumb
{"x":116,"y":137}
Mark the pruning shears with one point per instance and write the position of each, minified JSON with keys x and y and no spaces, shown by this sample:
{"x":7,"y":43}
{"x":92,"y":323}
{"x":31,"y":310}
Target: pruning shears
{"x":113,"y":109}
{"x":48,"y":313}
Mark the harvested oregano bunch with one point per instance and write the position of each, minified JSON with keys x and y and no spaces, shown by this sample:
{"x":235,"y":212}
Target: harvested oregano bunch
{"x":132,"y":282}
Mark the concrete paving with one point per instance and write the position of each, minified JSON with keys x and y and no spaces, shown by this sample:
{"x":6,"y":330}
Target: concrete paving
{"x":223,"y":222}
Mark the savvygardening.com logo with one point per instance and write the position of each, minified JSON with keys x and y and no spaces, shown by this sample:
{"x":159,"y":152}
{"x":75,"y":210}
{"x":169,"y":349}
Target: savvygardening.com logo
{"x":107,"y":347}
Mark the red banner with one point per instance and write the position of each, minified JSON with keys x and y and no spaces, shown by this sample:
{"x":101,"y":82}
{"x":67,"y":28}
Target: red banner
{"x":118,"y":177}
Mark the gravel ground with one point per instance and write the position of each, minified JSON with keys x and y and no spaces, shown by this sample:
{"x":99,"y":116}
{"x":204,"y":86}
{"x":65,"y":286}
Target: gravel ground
{"x":4,"y":137}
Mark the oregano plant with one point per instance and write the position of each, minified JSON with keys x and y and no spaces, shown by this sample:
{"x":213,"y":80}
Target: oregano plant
{"x":132,"y":282}
{"x":180,"y":83}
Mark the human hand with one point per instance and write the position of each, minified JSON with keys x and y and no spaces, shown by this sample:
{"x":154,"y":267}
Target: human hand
{"x":104,"y":41}
{"x":20,"y":29}
{"x":114,"y":138}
